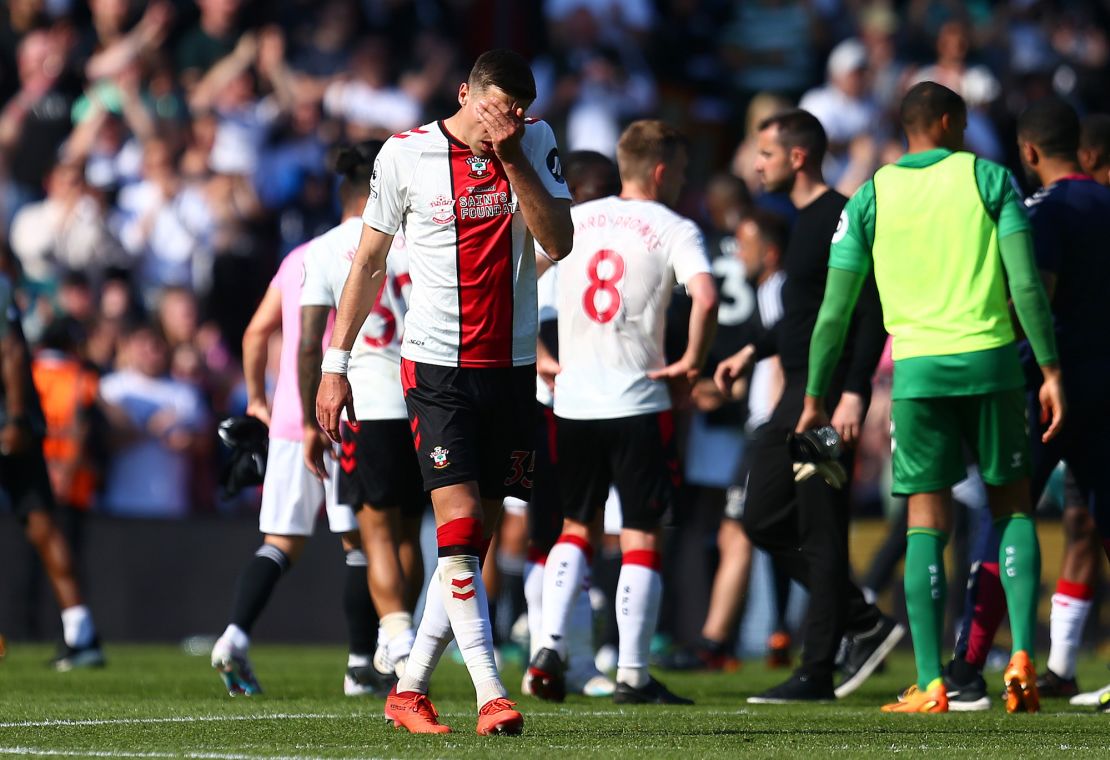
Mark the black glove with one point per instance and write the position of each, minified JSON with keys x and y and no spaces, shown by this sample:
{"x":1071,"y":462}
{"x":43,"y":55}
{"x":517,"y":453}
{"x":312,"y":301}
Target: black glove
{"x":817,"y":452}
{"x":249,"y":439}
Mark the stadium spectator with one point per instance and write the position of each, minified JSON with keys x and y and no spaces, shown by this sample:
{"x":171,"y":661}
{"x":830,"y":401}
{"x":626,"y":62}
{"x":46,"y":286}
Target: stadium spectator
{"x":368,"y":99}
{"x":843,"y":106}
{"x":769,"y":46}
{"x":154,"y":424}
{"x":67,"y":231}
{"x":210,"y":39}
{"x":35,"y":121}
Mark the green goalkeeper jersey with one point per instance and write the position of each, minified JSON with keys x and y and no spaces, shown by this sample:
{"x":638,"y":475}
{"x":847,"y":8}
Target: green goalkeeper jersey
{"x":930,"y":226}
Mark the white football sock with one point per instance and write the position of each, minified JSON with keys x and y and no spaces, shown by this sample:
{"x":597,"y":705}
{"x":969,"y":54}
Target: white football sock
{"x":357,"y":661}
{"x":639,"y":593}
{"x":580,"y":631}
{"x":77,"y":626}
{"x":239,"y":639}
{"x":533,"y":599}
{"x":399,"y":636}
{"x":1069,"y":616}
{"x":567,"y":566}
{"x":464,"y":598}
{"x":432,"y":637}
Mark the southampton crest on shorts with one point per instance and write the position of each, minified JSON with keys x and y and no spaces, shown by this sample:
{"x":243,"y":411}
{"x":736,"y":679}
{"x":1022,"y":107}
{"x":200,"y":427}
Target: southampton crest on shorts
{"x":479,"y":167}
{"x":439,"y":457}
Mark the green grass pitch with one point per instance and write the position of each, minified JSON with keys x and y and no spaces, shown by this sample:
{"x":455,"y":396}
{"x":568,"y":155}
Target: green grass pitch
{"x":156,"y":702}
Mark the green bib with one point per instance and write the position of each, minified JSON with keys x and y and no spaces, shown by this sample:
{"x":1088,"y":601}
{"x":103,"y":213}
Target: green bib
{"x":937,"y":263}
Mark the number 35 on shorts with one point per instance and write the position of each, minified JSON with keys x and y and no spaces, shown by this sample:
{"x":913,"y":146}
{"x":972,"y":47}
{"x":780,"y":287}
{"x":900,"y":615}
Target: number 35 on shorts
{"x":520,"y":468}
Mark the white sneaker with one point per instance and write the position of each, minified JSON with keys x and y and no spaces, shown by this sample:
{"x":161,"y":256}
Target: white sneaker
{"x":597,"y":685}
{"x":1089,"y":698}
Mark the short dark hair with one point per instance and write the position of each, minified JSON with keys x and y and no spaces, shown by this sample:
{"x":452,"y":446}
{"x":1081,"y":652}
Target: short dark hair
{"x":644,"y":145}
{"x":1052,"y":125}
{"x":926,"y":103}
{"x":355,"y":164}
{"x":773,"y":227}
{"x":800,"y":129}
{"x":1095,"y":135}
{"x":583,"y":167}
{"x":506,"y":70}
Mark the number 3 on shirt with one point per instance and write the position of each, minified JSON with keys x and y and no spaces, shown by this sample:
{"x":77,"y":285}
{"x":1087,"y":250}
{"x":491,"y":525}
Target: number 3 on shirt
{"x":605,"y":270}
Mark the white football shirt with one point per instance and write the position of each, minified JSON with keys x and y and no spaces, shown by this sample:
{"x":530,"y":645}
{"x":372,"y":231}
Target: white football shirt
{"x":613,"y":292}
{"x":471,"y":258}
{"x":375,"y":367}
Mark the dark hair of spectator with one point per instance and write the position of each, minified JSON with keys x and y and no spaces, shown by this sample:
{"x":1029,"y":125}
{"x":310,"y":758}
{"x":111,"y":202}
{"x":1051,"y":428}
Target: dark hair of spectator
{"x":926,"y":103}
{"x":588,"y":167}
{"x":506,"y":70}
{"x":800,"y":129}
{"x":63,"y":334}
{"x":1053,"y":126}
{"x":355,"y":164}
{"x":1095,"y":135}
{"x":773,"y":228}
{"x":644,"y":145}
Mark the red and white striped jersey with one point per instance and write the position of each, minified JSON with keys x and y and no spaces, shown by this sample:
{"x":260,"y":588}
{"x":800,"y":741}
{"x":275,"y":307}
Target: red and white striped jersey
{"x":613,"y":292}
{"x":473,"y":301}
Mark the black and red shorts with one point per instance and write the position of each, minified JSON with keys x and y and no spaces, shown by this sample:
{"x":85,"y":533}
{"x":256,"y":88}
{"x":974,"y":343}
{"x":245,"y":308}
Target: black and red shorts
{"x":545,"y":510}
{"x":636,"y":454}
{"x":378,"y":469}
{"x":471,"y":424}
{"x":25,"y":482}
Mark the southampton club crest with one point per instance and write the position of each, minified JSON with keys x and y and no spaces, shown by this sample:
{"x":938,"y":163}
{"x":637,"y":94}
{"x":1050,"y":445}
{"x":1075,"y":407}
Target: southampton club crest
{"x":439,"y":457}
{"x":479,"y":167}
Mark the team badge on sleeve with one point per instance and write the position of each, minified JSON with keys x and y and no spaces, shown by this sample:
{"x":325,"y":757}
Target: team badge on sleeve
{"x":841,"y":228}
{"x":555,"y":166}
{"x":439,"y":457}
{"x":376,"y":178}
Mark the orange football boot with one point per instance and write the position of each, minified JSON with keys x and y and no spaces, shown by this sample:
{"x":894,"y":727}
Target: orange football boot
{"x":934,"y":699}
{"x":1021,"y":685}
{"x":498,"y":717}
{"x":413,"y":712}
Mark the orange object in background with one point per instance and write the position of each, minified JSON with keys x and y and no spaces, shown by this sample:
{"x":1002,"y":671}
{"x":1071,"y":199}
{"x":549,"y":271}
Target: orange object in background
{"x":67,"y":390}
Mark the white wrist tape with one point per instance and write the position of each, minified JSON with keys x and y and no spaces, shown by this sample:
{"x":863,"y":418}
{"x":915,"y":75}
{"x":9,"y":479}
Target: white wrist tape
{"x":335,"y":361}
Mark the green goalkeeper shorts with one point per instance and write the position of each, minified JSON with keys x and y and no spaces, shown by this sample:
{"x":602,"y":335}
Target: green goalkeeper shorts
{"x":931,"y":438}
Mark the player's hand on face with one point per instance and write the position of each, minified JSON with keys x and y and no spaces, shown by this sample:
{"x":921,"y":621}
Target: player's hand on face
{"x":333,"y":396}
{"x":847,"y":418}
{"x":1053,"y":404}
{"x":813,"y":416}
{"x":505,"y":128}
{"x":259,"y":411}
{"x":732,"y":369}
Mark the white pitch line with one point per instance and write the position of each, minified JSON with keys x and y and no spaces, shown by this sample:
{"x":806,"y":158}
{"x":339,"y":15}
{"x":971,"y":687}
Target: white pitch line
{"x":41,"y":751}
{"x":174,"y":719}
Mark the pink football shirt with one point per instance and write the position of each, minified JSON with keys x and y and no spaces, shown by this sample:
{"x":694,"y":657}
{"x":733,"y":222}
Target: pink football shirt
{"x":285,"y":417}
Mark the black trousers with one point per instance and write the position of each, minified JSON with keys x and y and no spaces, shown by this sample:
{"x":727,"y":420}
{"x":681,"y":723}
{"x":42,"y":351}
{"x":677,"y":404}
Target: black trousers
{"x":804,"y":526}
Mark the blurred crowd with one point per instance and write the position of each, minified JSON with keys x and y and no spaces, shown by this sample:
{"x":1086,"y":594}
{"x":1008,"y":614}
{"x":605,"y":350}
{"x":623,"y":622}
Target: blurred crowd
{"x":157,"y":159}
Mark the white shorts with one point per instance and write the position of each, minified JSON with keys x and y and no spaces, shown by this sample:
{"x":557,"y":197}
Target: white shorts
{"x":291,"y":495}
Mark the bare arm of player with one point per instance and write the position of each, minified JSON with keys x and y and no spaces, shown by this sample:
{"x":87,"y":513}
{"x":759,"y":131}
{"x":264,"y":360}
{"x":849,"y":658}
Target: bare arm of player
{"x":265,"y":322}
{"x":703,"y":326}
{"x":360,"y":292}
{"x":548,"y":218}
{"x":314,"y":321}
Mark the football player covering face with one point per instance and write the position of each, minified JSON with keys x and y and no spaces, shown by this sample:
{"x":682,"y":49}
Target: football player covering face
{"x":467,"y":190}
